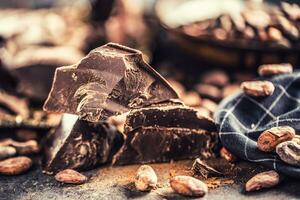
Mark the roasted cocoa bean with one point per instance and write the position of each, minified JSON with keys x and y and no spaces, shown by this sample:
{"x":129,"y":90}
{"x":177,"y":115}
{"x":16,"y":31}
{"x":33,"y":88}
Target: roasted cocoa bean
{"x":209,"y":91}
{"x":15,"y":166}
{"x":191,"y":99}
{"x":7,"y":151}
{"x":25,"y":135}
{"x":224,"y":153}
{"x":263,"y":180}
{"x":188,"y":186}
{"x":209,"y":105}
{"x":275,"y":34}
{"x":289,"y":152}
{"x":70,"y":176}
{"x":216,"y":77}
{"x":230,"y":89}
{"x":258,"y":88}
{"x":23,"y":148}
{"x":296,"y":139}
{"x":275,"y":69}
{"x":205,"y":112}
{"x":145,"y":178}
{"x":177,"y":86}
{"x":270,"y":138}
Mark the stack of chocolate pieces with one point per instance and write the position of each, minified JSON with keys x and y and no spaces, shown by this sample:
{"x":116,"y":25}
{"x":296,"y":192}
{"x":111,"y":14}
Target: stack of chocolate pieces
{"x":164,"y":132}
{"x":109,"y":81}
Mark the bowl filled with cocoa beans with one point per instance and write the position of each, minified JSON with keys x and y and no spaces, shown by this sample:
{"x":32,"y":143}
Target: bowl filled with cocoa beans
{"x":233,"y":32}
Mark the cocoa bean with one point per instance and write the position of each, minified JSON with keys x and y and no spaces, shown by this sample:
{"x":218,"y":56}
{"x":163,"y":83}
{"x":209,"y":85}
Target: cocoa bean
{"x":275,"y":69}
{"x":145,"y":179}
{"x":70,"y":176}
{"x":224,"y":153}
{"x":188,"y":186}
{"x":257,"y":18}
{"x":209,"y":105}
{"x":25,"y":135}
{"x":275,"y":34}
{"x":289,"y":152}
{"x":177,"y":86}
{"x":216,"y":77}
{"x":209,"y":91}
{"x":191,"y":99}
{"x":205,"y":112}
{"x":270,"y":138}
{"x":219,"y":34}
{"x":23,"y":148}
{"x":15,"y":166}
{"x":7,"y":151}
{"x":258,"y":88}
{"x":296,"y":139}
{"x":263,"y":180}
{"x":230,"y":89}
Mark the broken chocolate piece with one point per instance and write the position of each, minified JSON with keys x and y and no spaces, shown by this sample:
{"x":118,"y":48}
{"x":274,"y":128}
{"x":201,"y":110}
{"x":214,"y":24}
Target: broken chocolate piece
{"x":159,"y":144}
{"x":202,"y":168}
{"x":110,"y":80}
{"x":169,"y":116}
{"x":78,"y":144}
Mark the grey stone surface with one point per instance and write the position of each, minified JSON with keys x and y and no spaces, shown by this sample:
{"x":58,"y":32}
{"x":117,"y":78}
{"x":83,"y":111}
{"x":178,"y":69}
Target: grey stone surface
{"x":113,"y":183}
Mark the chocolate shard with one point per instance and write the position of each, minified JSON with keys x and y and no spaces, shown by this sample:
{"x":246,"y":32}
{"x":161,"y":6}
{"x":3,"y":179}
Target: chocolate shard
{"x":156,"y":144}
{"x":78,"y":144}
{"x":110,"y":80}
{"x":202,"y":168}
{"x":169,"y":115}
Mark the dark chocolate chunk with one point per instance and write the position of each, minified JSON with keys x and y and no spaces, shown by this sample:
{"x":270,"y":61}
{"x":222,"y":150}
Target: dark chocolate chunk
{"x":202,"y":168}
{"x":168,"y":116}
{"x":110,"y":80}
{"x":156,"y":144}
{"x":78,"y":144}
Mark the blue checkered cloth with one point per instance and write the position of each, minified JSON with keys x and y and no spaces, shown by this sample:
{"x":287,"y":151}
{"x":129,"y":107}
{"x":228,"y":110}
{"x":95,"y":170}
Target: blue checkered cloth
{"x":243,"y":118}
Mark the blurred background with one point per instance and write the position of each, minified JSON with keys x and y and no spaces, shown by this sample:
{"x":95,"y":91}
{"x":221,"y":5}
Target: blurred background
{"x":205,"y":48}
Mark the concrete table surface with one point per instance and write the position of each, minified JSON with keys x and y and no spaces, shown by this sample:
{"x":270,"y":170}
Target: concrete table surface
{"x":113,"y":183}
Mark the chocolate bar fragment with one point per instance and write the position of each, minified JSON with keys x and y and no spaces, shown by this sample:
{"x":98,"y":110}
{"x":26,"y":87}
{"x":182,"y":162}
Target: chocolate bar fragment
{"x":80,"y":145}
{"x":164,"y":132}
{"x":168,"y":116}
{"x":110,"y":80}
{"x":156,"y":144}
{"x":34,"y":68}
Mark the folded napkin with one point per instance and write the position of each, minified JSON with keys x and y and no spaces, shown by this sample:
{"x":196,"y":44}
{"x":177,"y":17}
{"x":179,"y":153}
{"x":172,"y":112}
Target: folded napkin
{"x":243,"y":118}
